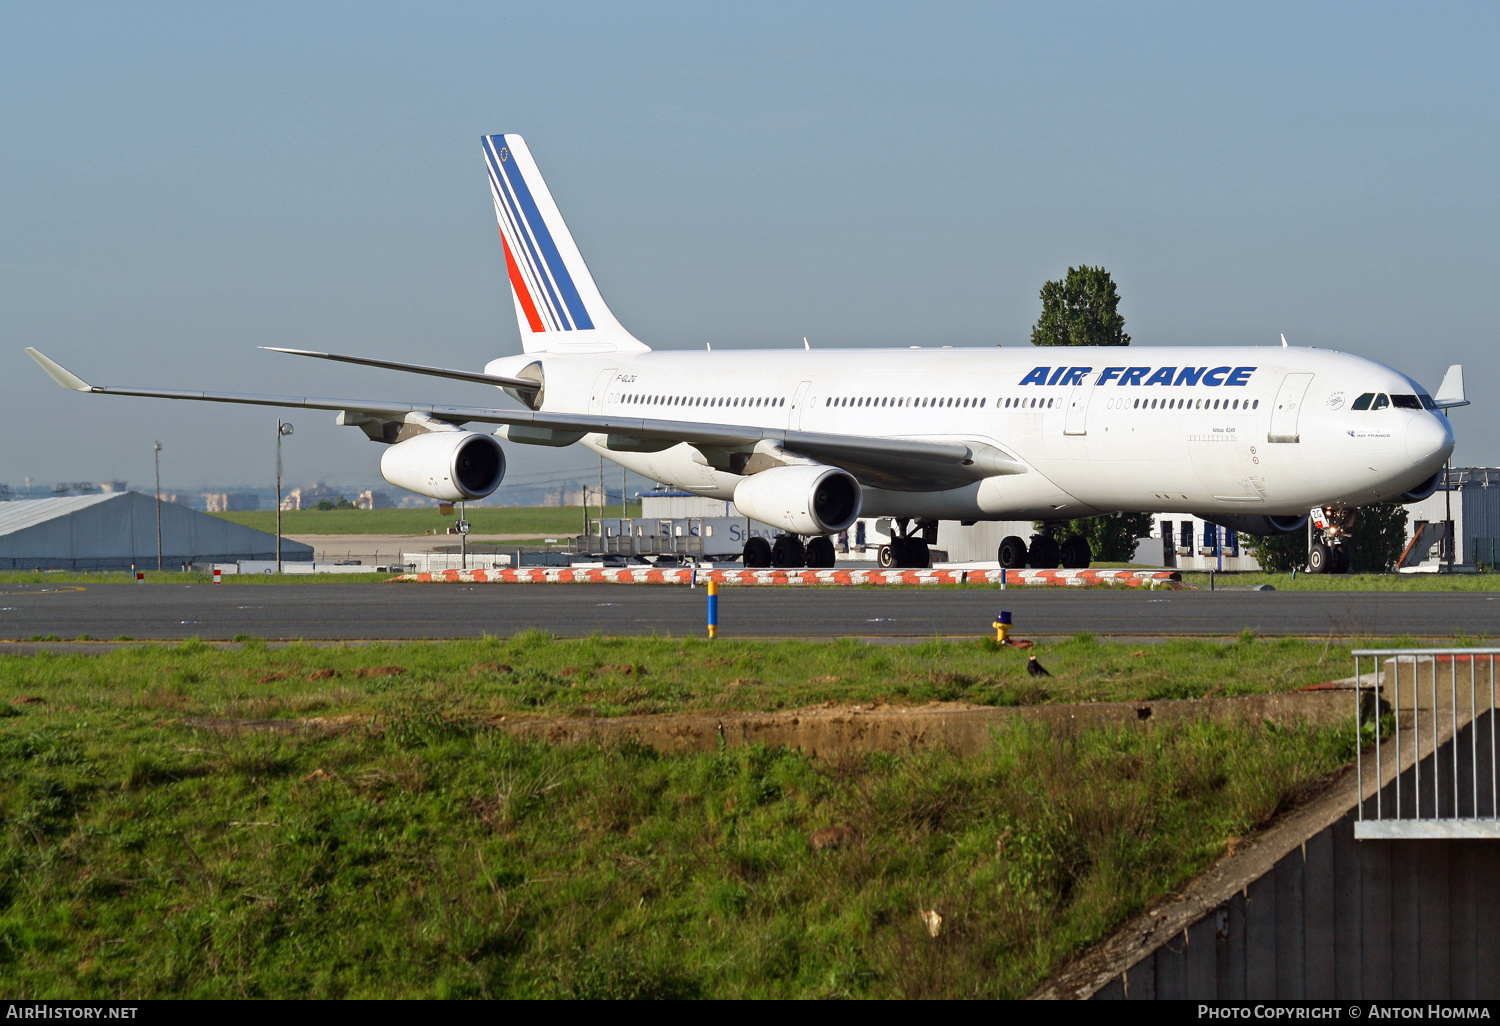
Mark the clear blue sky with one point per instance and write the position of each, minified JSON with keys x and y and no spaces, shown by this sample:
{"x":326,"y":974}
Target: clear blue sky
{"x":181,"y":183}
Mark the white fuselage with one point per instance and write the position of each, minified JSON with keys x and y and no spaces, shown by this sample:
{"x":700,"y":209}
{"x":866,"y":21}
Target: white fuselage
{"x":1195,"y":430}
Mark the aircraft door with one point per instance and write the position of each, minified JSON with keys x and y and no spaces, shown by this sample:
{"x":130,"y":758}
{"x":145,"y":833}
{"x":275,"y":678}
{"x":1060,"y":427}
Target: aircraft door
{"x":1287,"y":407}
{"x":600,"y":390}
{"x":1076,"y":422}
{"x":794,"y":415}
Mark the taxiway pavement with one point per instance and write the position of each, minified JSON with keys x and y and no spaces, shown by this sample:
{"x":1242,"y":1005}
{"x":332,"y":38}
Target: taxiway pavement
{"x":393,"y":611}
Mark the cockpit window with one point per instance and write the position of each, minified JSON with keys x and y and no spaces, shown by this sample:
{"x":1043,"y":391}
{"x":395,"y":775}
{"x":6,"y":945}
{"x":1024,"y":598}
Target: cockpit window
{"x":1427,"y":403}
{"x":1405,"y":402}
{"x":1381,"y":402}
{"x":1363,"y":402}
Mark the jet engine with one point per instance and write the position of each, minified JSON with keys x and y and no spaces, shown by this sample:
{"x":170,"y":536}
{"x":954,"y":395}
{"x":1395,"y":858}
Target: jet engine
{"x":453,"y":466}
{"x":800,"y":499}
{"x":1422,"y":490}
{"x":1261,"y":525}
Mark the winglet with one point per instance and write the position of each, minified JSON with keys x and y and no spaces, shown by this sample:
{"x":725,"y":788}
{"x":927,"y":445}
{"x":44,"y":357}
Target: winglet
{"x":58,"y":373}
{"x":1451,"y":392}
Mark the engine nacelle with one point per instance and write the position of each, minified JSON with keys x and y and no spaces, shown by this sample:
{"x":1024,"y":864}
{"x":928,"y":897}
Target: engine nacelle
{"x":801,"y":500}
{"x":1422,"y":490}
{"x":454,"y":466}
{"x":1262,"y":525}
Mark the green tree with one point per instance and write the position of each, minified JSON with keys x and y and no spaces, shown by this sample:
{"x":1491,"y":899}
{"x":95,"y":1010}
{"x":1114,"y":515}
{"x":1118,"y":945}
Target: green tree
{"x":1377,"y":538}
{"x":1080,"y":310}
{"x":1111,"y":538}
{"x":1278,"y":553}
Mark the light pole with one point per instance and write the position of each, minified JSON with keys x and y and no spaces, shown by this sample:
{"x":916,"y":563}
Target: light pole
{"x":1448,"y":508}
{"x":282,"y":428}
{"x":156,"y":450}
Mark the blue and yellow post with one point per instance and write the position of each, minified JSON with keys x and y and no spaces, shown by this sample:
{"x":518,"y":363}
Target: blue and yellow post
{"x":1002,"y":627}
{"x":713,"y":608}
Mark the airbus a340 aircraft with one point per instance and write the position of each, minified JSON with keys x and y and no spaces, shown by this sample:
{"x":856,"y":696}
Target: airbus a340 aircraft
{"x":809,"y":440}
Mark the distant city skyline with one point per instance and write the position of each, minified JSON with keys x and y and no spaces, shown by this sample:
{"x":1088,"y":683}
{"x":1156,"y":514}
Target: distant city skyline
{"x":185,"y":183}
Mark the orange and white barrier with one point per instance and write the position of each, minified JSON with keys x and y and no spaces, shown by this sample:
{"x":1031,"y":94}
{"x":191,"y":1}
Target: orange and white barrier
{"x":652,"y":575}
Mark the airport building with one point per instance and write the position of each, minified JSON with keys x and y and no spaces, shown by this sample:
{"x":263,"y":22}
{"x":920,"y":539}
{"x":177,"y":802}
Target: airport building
{"x":115,"y":531}
{"x":1468,"y":511}
{"x":229,"y":502}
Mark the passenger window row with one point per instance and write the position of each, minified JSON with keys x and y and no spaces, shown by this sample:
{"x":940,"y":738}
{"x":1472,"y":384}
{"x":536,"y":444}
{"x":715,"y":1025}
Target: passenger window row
{"x":911,"y":402}
{"x":1379,"y":401}
{"x":1184,"y":404}
{"x":632,"y":398}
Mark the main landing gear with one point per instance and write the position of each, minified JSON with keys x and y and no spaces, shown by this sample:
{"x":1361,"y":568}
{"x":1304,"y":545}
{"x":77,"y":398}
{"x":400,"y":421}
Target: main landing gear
{"x":1045,"y":553}
{"x":908,"y":550}
{"x":1328,"y":553}
{"x":788,"y":553}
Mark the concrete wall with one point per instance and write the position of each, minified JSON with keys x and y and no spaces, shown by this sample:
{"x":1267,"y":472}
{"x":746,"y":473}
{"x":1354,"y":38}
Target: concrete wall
{"x":1341,"y":918}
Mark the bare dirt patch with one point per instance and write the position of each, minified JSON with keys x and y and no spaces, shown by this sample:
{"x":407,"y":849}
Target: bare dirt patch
{"x":832,"y":730}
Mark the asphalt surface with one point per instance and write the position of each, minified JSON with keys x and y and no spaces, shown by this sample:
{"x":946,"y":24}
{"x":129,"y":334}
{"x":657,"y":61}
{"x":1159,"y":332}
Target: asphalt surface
{"x":380,"y":610}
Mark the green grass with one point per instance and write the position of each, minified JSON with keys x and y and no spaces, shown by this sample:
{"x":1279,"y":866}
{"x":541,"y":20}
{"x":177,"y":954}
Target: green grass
{"x":433,"y":855}
{"x":532,"y":521}
{"x":535,"y":674}
{"x":1352,"y":582}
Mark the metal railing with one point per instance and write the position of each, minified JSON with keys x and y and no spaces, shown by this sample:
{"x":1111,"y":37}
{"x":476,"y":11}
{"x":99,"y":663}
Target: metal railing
{"x":1437,"y":698}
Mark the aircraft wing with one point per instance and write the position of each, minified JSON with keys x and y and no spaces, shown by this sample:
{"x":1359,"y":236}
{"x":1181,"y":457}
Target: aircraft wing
{"x":901,"y":464}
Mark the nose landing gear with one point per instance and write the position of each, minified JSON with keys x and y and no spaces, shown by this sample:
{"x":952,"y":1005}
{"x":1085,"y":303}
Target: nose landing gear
{"x":1328,"y":553}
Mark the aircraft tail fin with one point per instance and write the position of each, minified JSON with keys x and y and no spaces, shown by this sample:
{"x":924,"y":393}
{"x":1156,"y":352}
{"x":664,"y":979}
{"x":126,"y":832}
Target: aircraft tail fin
{"x":558,"y":306}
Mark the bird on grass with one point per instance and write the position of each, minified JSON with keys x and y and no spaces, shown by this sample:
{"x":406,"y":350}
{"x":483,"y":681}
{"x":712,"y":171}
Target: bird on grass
{"x":1035,"y":668}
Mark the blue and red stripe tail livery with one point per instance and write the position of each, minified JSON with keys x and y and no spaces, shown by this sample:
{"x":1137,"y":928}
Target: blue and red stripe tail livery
{"x":558,"y":306}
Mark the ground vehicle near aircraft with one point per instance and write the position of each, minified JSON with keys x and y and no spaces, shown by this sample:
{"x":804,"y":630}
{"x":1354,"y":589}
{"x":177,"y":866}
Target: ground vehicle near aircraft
{"x":809,"y":440}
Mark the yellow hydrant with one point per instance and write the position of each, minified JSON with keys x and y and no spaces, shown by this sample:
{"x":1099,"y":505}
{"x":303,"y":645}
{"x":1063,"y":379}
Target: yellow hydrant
{"x":1002,"y":627}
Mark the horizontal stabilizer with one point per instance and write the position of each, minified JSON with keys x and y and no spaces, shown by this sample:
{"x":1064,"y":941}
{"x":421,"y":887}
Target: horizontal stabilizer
{"x":414,"y":368}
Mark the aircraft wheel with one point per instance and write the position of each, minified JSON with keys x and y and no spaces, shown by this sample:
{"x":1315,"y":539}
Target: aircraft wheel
{"x":914,"y":554}
{"x":886,"y":558}
{"x":1012,"y":553}
{"x":1076,"y":554}
{"x":757,"y":554}
{"x":1318,"y":559}
{"x":820,"y":554}
{"x":788,"y":552}
{"x":1338,"y":559}
{"x":1044,"y":553}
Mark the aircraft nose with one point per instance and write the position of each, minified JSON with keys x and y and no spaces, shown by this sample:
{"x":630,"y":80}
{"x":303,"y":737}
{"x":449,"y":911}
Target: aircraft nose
{"x":1429,"y":439}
